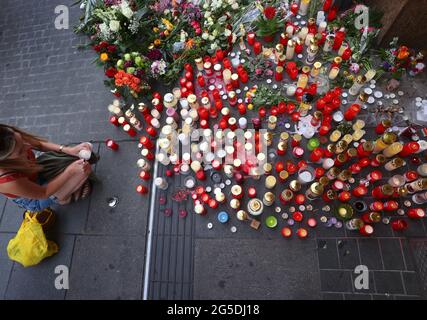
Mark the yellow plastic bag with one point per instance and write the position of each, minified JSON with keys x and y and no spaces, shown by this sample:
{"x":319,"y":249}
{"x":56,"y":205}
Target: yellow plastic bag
{"x":30,"y":245}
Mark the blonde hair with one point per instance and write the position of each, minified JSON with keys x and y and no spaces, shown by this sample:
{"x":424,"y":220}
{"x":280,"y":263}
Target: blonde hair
{"x":18,"y":165}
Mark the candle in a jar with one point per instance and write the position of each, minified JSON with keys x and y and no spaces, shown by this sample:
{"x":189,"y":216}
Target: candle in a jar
{"x":333,"y":73}
{"x":290,"y":49}
{"x":251,"y":38}
{"x":303,"y":7}
{"x":257,"y":47}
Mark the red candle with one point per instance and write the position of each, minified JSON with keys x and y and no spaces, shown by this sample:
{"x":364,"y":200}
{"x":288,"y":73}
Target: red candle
{"x":319,"y":172}
{"x":257,"y":47}
{"x":376,"y":206}
{"x":339,"y":38}
{"x":416,"y":213}
{"x":293,"y":74}
{"x":332,"y":15}
{"x":316,"y":155}
{"x":141,"y":189}
{"x":294,"y":8}
{"x":312,"y":222}
{"x":291,"y":167}
{"x":297,"y":216}
{"x":201,"y":80}
{"x":219,"y":54}
{"x":352,"y":112}
{"x":252,"y":192}
{"x":213,"y":203}
{"x":144,"y":175}
{"x":146,"y":142}
{"x":114,"y":120}
{"x":251,"y":38}
{"x":360,"y":191}
{"x":324,"y":129}
{"x":327,"y":5}
{"x":279,"y":74}
{"x":344,"y":196}
{"x":364,"y":162}
{"x":151,"y":131}
{"x":189,"y":76}
{"x":112,"y":144}
{"x":366,"y":230}
{"x":399,"y":225}
{"x":409,"y":148}
{"x":391,"y":205}
{"x":286,"y":232}
{"x":382,"y":126}
{"x":129,"y":130}
{"x":299,"y":199}
{"x":200,"y":175}
{"x":346,"y":54}
{"x":411,"y":176}
{"x":374,"y":176}
{"x":302,"y":233}
{"x":244,"y":77}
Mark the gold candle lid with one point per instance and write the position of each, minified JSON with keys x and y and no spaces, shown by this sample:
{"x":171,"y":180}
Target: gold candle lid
{"x":305,"y":69}
{"x":352,"y":152}
{"x":337,"y":60}
{"x":255,"y":204}
{"x":368,"y":146}
{"x":316,"y":188}
{"x":387,"y":189}
{"x":283,"y":174}
{"x":284,"y":136}
{"x":279,"y":47}
{"x":331,"y":194}
{"x":272,"y":119}
{"x":268,"y":136}
{"x":402,"y":191}
{"x":235,"y":203}
{"x":269,"y":197}
{"x":270,"y":182}
{"x":398,"y":162}
{"x":279,"y":69}
{"x":380,"y":158}
{"x":242,"y":215}
{"x":297,"y":137}
{"x":324,"y":181}
{"x":317,"y":65}
{"x":294,"y":185}
{"x":291,"y":43}
{"x":281,"y":146}
{"x":267,"y":167}
{"x":389,"y":137}
{"x":287,"y":194}
{"x":347,"y":138}
{"x":341,"y":157}
{"x":331,"y":148}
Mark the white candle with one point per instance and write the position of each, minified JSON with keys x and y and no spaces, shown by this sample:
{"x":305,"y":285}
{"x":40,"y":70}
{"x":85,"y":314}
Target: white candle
{"x":320,"y":18}
{"x":303,"y":7}
{"x":290,"y":49}
{"x":303,"y":33}
{"x":289,"y":31}
{"x":308,"y":39}
{"x":322,"y":26}
{"x":290,"y":90}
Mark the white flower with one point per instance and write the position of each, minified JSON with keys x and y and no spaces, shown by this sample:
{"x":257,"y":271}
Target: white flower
{"x":235,"y":6}
{"x":205,"y":5}
{"x":214,"y":46}
{"x":207,"y":14}
{"x":211,"y":38}
{"x":205,"y":36}
{"x":126,"y":10}
{"x":215,"y":32}
{"x":114,"y":25}
{"x":227,"y":32}
{"x":167,"y":11}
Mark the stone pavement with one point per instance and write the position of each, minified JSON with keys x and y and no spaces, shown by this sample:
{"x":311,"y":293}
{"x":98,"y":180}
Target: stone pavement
{"x":50,"y":88}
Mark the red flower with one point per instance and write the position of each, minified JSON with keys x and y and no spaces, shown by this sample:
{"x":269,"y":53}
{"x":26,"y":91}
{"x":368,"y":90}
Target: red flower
{"x":97,"y":48}
{"x":111,"y":48}
{"x":103,"y":44}
{"x":110,"y":72}
{"x":270,"y":12}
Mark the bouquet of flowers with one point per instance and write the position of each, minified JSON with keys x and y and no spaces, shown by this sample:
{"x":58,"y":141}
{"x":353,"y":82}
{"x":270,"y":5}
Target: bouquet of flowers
{"x":398,"y":58}
{"x":268,"y":23}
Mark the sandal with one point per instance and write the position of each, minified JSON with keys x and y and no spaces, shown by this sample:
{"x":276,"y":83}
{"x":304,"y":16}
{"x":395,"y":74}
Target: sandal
{"x":86,"y":189}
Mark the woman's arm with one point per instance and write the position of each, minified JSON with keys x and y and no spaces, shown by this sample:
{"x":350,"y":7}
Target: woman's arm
{"x":74,"y":151}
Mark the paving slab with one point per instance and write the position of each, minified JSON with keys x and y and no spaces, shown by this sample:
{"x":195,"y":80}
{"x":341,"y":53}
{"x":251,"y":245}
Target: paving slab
{"x":118,"y":176}
{"x":38,"y":282}
{"x":255,"y":269}
{"x":5,"y":263}
{"x":107,"y":267}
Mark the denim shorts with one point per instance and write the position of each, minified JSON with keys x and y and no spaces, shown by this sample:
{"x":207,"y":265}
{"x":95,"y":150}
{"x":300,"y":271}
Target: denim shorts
{"x":34,"y":205}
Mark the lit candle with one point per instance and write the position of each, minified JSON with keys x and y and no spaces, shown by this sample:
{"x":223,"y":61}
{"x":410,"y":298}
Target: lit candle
{"x":303,"y":8}
{"x":302,"y":233}
{"x":290,"y":49}
{"x":251,"y":38}
{"x":257,"y":47}
{"x":286,"y":232}
{"x":333,"y":73}
{"x":112,"y":144}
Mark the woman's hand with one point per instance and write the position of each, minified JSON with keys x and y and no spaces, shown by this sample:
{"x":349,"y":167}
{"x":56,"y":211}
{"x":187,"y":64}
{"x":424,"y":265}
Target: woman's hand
{"x":74,"y":151}
{"x":79,"y":167}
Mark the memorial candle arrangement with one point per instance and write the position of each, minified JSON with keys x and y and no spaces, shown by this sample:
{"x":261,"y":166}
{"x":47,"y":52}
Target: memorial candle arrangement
{"x":315,"y":147}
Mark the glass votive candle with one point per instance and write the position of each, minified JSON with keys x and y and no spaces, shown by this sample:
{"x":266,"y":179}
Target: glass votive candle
{"x":397,"y":180}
